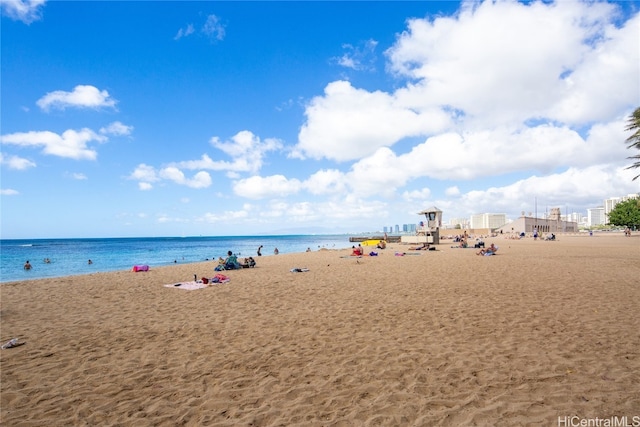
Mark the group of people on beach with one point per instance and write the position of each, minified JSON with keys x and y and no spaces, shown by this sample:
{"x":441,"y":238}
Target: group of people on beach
{"x":28,"y":266}
{"x":275,"y":251}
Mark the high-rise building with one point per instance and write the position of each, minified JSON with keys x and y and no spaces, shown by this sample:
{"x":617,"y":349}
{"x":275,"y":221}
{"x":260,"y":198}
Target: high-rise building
{"x":596,"y":216}
{"x":409,"y":228}
{"x":610,"y":204}
{"x":487,"y":220}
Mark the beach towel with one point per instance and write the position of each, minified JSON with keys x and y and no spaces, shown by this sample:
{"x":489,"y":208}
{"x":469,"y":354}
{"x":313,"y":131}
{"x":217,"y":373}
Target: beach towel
{"x":299,"y":270}
{"x":193,"y":285}
{"x":137,"y":268}
{"x":187,"y":286}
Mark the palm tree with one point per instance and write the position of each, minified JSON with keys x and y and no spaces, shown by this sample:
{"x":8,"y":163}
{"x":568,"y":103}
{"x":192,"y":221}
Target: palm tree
{"x":633,"y":124}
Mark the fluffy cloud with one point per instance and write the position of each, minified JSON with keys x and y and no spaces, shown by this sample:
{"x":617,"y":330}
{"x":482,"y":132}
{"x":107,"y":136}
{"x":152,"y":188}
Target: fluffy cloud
{"x":71,"y":144}
{"x":349,"y":123}
{"x":15,"y":162}
{"x":116,"y":128}
{"x":146,"y":175}
{"x":246,"y":150}
{"x":487,"y":97}
{"x":257,"y":187}
{"x":26,"y":11}
{"x":82,"y":96}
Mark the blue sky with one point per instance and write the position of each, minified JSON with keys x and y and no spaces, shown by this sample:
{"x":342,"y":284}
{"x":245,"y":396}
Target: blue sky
{"x":238,"y":118}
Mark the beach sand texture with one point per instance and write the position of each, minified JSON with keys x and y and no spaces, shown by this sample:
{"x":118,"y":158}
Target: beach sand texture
{"x":542,"y":330}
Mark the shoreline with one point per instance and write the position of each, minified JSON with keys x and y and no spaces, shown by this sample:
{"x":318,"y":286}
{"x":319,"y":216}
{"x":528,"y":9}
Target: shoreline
{"x":540,"y":331}
{"x":444,"y":240}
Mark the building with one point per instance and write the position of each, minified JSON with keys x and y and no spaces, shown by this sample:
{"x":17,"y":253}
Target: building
{"x":459,"y":223}
{"x":409,"y":228}
{"x":596,"y":216}
{"x":487,"y":220}
{"x":552,"y":224}
{"x":610,"y":204}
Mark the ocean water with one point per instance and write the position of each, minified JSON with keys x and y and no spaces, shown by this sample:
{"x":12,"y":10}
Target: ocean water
{"x":70,"y":256}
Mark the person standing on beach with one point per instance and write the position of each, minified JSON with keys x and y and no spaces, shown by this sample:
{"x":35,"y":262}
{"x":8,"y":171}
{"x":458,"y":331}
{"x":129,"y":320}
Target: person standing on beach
{"x":259,"y":249}
{"x":276,"y":251}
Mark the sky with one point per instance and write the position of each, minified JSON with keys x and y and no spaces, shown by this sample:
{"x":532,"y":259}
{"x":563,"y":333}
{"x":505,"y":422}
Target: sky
{"x":158,"y":118}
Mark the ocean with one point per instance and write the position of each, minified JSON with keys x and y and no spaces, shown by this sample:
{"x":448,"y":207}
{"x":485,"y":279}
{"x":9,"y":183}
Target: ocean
{"x":69,"y":257}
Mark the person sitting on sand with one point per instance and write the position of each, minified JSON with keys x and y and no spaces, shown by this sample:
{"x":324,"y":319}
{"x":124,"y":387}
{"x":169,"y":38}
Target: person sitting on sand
{"x":249,"y":263}
{"x":231,"y":263}
{"x":381,"y":244}
{"x":356,"y":251}
{"x":491,"y":250}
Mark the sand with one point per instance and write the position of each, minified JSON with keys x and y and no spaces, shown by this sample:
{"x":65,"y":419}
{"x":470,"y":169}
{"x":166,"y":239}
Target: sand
{"x":541,"y":332}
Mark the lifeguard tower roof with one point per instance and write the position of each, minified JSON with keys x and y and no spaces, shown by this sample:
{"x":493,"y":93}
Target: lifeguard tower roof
{"x":431,"y":209}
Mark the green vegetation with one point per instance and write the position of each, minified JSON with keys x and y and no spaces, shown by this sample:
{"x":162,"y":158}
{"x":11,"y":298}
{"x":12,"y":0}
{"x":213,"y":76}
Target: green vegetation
{"x":626,"y":214}
{"x":633,"y":124}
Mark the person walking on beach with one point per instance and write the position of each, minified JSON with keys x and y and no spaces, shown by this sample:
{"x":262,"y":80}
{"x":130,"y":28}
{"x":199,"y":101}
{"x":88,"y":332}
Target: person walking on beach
{"x":27,"y":266}
{"x":259,"y":249}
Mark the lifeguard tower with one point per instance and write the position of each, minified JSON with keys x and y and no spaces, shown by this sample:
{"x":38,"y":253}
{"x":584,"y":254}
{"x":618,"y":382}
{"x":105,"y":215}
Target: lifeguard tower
{"x":429,"y":231}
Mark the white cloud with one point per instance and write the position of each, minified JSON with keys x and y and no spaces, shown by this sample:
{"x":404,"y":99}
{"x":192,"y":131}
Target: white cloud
{"x":452,"y":191}
{"x":78,"y":176}
{"x":82,"y":96}
{"x":200,"y":180}
{"x":487,"y":97}
{"x":146,"y":175}
{"x":117,"y":128}
{"x":479,"y":75}
{"x":326,"y":182}
{"x":213,"y":28}
{"x":15,"y":162}
{"x":246,"y":150}
{"x":225,"y":216}
{"x":496,"y":69}
{"x":184,"y":32}
{"x":257,"y":187}
{"x":8,"y":192}
{"x":417,"y":195}
{"x":359,"y":58}
{"x":573,"y":189}
{"x":349,"y":123}
{"x":26,"y":11}
{"x":71,"y":144}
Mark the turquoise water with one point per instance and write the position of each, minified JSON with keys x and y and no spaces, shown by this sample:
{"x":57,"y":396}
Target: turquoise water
{"x":70,"y":256}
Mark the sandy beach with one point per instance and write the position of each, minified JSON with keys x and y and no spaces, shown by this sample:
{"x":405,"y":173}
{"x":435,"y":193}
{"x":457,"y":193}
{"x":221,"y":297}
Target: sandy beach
{"x":537,"y":333}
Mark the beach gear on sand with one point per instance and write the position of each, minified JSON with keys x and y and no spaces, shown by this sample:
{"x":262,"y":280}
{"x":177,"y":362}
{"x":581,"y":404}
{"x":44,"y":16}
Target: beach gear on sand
{"x":187,"y":286}
{"x":137,"y":268}
{"x":12,"y":343}
{"x":299,"y":270}
{"x":204,"y":283}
